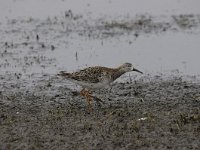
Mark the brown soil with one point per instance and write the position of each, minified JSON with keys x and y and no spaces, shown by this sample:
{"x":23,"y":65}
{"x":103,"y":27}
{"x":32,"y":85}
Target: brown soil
{"x":158,"y":114}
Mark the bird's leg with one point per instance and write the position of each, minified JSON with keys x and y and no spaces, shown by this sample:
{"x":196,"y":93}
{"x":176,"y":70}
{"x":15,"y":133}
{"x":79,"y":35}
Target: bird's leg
{"x":88,"y":97}
{"x":89,"y":101}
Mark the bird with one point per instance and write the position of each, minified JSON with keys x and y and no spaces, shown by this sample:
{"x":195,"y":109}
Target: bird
{"x":93,"y":78}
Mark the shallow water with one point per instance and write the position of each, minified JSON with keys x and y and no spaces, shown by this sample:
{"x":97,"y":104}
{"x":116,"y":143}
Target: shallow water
{"x":152,"y":54}
{"x":154,"y":37}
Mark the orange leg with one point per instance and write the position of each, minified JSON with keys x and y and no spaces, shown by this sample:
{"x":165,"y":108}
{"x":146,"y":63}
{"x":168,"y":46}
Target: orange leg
{"x":88,"y":97}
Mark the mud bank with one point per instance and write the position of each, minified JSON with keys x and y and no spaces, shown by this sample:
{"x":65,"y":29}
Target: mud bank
{"x":149,"y":113}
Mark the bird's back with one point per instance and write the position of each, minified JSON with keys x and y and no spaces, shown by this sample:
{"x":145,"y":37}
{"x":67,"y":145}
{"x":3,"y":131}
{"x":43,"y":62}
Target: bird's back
{"x":91,"y":74}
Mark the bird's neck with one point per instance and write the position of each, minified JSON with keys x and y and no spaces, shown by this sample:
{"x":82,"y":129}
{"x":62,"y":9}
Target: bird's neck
{"x":118,"y":73}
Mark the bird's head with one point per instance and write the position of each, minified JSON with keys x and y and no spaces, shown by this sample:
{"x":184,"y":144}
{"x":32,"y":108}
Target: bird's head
{"x":127,"y":67}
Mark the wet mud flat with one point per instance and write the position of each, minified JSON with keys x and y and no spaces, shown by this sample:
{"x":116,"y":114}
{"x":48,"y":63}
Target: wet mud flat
{"x":148,"y":113}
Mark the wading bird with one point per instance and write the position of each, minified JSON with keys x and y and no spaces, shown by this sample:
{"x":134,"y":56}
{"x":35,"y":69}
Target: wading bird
{"x":97,"y":77}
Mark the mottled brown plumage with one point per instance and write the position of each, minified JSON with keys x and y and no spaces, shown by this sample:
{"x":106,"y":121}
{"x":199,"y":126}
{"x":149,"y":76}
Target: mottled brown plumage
{"x":98,"y":74}
{"x":92,"y":74}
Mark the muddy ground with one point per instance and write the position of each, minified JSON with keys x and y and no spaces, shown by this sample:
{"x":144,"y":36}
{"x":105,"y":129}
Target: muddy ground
{"x":38,"y":110}
{"x":150,"y":113}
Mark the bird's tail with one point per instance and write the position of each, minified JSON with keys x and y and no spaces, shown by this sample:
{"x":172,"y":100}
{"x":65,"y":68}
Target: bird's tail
{"x":64,"y":74}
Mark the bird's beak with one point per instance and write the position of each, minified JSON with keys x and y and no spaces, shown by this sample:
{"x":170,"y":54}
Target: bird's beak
{"x":137,"y":70}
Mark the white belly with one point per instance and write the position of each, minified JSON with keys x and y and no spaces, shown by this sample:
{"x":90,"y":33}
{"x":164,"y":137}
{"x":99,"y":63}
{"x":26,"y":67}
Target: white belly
{"x":93,"y":85}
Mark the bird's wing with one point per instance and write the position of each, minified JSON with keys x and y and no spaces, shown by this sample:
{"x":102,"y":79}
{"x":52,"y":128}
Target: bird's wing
{"x":90,"y":75}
